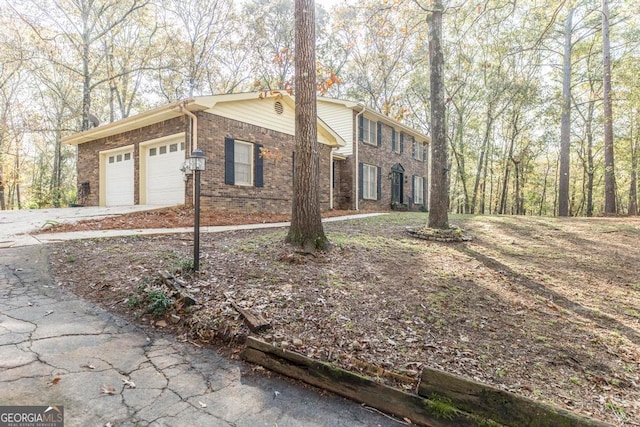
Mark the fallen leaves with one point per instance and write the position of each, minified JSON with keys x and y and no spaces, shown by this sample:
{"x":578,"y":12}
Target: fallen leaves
{"x":383,"y":304}
{"x":108,"y":389}
{"x":55,"y":381}
{"x":128,"y":383}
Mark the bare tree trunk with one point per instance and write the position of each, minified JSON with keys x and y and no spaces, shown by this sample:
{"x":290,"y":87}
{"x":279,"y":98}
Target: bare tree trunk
{"x":609,"y":171}
{"x":516,"y":172}
{"x":16,"y":178}
{"x":439,"y":199}
{"x":458,"y":152}
{"x":306,"y":223}
{"x":56,"y":174}
{"x":633,"y":185}
{"x":541,"y":209}
{"x":481,"y":159}
{"x":505,"y":188}
{"x":590,"y":165}
{"x":3,"y":206}
{"x":565,"y":127}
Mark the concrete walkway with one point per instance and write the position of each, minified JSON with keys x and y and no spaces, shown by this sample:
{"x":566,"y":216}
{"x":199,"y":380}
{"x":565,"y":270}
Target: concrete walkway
{"x":56,"y":349}
{"x":27,"y":240}
{"x":15,"y":224}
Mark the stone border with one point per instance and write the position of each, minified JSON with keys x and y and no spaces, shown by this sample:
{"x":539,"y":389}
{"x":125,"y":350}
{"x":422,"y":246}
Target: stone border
{"x":443,"y":400}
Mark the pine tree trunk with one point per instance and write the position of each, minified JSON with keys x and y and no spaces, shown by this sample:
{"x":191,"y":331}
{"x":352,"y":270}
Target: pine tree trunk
{"x":609,"y":171}
{"x":633,"y":182}
{"x":439,"y":199}
{"x":306,"y":223}
{"x":565,"y":127}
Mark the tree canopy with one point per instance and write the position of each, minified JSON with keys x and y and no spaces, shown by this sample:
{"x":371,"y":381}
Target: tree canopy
{"x":64,"y":64}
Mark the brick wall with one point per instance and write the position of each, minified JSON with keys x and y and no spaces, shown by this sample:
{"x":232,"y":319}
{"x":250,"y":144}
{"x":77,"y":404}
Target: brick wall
{"x":343,"y":191}
{"x":383,"y":156}
{"x":277,"y":192}
{"x":88,"y":164}
{"x":274,"y":197}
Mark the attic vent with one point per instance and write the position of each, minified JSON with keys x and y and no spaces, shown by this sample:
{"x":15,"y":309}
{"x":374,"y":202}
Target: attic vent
{"x":278,"y":107}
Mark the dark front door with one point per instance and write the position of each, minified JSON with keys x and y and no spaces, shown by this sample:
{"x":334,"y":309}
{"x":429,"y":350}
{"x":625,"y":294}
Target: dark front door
{"x":397,"y":180}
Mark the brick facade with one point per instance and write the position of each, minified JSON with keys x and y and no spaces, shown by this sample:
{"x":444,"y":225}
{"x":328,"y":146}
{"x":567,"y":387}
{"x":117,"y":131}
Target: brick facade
{"x":89,"y":159}
{"x":276,"y":194}
{"x":384,"y":157}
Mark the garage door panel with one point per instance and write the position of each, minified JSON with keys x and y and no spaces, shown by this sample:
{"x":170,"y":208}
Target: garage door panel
{"x":119,"y":178}
{"x":165,"y":183}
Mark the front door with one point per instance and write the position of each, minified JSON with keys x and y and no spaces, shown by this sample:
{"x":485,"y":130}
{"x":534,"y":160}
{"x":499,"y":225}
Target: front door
{"x":397,"y":180}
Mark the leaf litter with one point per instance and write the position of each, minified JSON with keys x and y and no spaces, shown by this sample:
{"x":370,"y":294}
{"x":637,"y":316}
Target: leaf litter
{"x":544,"y":308}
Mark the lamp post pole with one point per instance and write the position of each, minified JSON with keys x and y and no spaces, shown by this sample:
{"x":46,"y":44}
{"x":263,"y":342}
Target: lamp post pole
{"x":197,"y":163}
{"x":196,"y":225}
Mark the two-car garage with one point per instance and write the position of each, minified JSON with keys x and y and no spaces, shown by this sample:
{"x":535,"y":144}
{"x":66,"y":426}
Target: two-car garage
{"x":160,"y":176}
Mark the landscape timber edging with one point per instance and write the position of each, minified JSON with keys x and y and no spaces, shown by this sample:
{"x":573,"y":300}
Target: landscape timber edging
{"x":428,"y":412}
{"x":443,"y":399}
{"x":499,"y":405}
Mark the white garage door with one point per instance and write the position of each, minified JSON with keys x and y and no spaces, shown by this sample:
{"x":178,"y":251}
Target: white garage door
{"x":165,"y":183}
{"x":119,"y":178}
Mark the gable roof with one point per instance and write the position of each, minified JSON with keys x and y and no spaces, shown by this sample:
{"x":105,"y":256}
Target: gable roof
{"x":212,"y":104}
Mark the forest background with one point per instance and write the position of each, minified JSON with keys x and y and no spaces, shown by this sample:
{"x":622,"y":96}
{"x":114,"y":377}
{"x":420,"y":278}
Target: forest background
{"x":66,"y":63}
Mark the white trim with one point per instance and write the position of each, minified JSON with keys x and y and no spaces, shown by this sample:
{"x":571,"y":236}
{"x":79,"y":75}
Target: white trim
{"x":366,"y":172}
{"x":103,"y":157}
{"x":252,"y":148}
{"x":417,"y":194}
{"x":144,"y":149}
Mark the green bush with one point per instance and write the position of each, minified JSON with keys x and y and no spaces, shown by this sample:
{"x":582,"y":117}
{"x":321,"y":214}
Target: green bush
{"x":159,"y":302}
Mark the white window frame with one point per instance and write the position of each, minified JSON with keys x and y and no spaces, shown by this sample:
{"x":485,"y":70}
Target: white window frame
{"x":369,"y":131}
{"x":369,"y":182}
{"x":236,"y":180}
{"x":418,"y":152}
{"x":418,"y":182}
{"x":396,"y":149}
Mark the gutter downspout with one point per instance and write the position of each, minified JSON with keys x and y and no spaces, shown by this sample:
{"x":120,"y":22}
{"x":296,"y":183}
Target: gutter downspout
{"x":331,"y":179}
{"x":357,"y":170}
{"x":194,"y":124}
{"x":194,"y":134}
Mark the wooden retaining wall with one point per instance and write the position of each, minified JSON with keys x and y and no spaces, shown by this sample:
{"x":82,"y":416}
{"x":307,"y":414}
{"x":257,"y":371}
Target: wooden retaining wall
{"x":443,"y":400}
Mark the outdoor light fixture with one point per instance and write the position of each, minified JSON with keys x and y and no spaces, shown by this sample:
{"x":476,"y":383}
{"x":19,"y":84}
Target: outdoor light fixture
{"x":197,"y":163}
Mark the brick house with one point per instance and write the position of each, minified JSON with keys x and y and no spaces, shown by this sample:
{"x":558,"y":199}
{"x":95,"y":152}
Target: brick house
{"x":248,"y":140}
{"x":383,"y":164}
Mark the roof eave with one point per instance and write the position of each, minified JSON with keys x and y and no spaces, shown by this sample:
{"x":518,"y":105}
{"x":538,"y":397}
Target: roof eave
{"x":146,"y":118}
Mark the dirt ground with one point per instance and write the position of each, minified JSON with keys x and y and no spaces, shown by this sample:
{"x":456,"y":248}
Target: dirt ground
{"x":547,"y":308}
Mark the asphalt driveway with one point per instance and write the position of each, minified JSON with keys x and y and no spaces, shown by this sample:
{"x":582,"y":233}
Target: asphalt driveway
{"x":56,"y":349}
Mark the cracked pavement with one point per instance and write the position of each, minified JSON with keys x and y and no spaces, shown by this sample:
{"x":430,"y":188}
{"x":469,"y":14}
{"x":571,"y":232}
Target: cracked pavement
{"x":57,"y":349}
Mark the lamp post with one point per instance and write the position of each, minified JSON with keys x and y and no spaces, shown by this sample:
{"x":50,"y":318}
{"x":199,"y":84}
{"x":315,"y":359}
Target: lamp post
{"x":197,"y":163}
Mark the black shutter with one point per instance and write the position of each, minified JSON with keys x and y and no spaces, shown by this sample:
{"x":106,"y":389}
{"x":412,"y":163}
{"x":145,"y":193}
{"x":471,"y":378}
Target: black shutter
{"x":401,"y":142}
{"x":424,"y":152}
{"x":379,"y":183}
{"x":413,"y":149}
{"x":424,"y":191}
{"x":259,"y":167}
{"x":361,"y":128}
{"x":394,"y":143}
{"x":360,"y":180}
{"x":229,"y":167}
{"x":379,"y":134}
